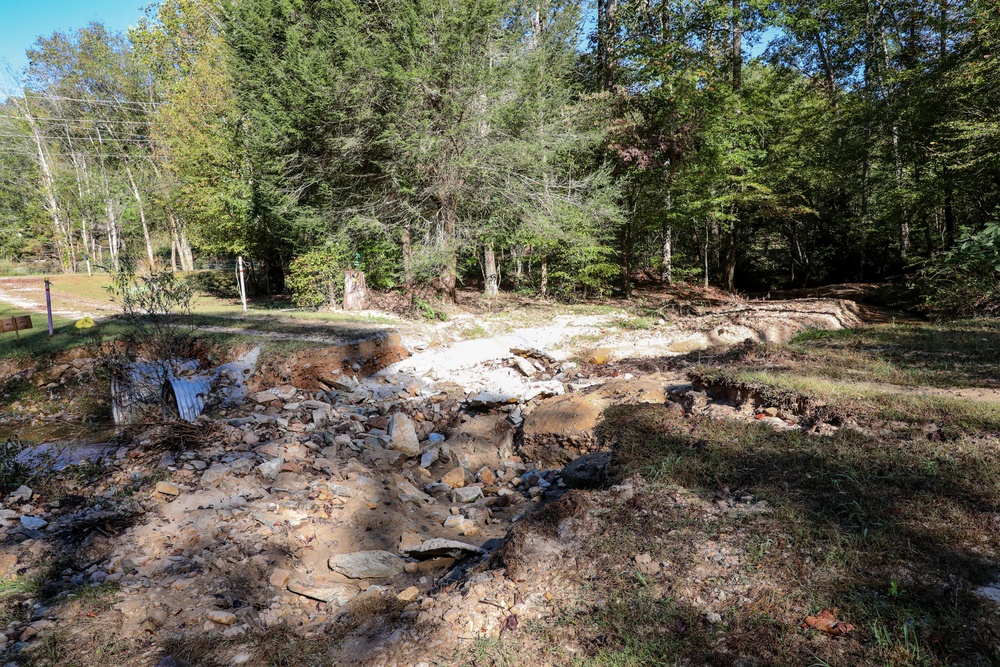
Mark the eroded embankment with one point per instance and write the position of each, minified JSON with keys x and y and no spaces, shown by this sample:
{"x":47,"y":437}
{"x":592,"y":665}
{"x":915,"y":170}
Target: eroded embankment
{"x":354,"y":517}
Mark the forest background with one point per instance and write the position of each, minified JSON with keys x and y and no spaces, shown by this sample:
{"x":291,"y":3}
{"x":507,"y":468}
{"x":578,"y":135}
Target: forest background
{"x":549,"y":147}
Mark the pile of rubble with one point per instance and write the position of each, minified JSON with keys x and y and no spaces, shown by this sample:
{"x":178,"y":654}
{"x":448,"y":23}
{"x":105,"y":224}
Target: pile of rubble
{"x":294,"y":505}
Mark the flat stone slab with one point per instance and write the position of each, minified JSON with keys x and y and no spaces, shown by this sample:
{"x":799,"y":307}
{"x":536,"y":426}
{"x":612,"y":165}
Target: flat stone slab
{"x":324,"y":591}
{"x":439,"y":547}
{"x":367,"y":564}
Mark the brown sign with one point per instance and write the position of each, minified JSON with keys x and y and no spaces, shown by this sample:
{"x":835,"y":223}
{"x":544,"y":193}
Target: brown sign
{"x":15,"y":324}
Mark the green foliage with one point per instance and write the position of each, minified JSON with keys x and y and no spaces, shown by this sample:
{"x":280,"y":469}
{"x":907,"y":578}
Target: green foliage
{"x":965,"y":281}
{"x":316,"y":278}
{"x":12,"y":473}
{"x":427,"y":310}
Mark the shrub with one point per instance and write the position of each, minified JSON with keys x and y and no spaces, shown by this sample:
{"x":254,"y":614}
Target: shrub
{"x":316,"y":278}
{"x":965,"y":281}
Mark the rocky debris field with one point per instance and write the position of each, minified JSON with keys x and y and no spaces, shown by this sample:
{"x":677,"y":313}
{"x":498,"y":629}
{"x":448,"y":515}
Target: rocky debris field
{"x":375,"y":510}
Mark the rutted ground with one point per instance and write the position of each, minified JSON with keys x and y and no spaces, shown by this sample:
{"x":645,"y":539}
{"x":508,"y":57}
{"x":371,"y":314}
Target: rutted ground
{"x":306,"y":527}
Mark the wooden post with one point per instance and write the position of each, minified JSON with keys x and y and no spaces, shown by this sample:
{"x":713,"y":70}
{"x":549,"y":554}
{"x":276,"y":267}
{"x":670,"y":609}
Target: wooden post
{"x":48,"y":304}
{"x":355,"y":291}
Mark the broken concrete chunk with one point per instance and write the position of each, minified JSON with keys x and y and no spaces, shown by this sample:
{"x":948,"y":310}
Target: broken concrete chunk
{"x":367,"y":564}
{"x":167,"y":489}
{"x":439,"y":547}
{"x":525,"y":366}
{"x":324,"y":591}
{"x":404,"y":435}
{"x":492,"y":399}
{"x":454,"y":478}
{"x":467,"y":494}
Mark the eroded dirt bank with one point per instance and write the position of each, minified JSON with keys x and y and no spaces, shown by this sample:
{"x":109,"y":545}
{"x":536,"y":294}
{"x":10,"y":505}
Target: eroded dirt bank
{"x":362,"y":508}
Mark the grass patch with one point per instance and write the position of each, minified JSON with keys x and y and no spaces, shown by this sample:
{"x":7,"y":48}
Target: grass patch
{"x":895,"y":533}
{"x":36,"y":342}
{"x":959,"y":354}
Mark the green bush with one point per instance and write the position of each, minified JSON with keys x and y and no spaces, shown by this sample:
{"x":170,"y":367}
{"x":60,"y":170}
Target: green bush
{"x":965,"y":281}
{"x":316,"y":278}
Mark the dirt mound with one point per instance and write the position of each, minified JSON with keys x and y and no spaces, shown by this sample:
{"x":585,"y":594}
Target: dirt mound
{"x":319,"y":369}
{"x":563,"y":428}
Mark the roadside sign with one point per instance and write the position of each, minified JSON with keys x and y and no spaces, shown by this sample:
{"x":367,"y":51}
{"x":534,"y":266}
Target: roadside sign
{"x":15,"y":324}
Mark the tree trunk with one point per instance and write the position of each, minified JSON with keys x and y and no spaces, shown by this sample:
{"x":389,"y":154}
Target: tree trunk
{"x":449,"y":214}
{"x":187,"y":257}
{"x":543,"y":288}
{"x":114,"y":240}
{"x":490,"y":273}
{"x":48,"y":187}
{"x":729,"y":259}
{"x":407,"y":260}
{"x":175,"y":242}
{"x":606,"y":35}
{"x":705,"y":254}
{"x":626,"y":261}
{"x":355,"y":291}
{"x":142,"y":219}
{"x":667,"y":273}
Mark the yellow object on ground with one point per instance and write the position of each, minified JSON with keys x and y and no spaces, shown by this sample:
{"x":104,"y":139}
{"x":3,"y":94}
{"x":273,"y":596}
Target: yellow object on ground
{"x":85,"y":323}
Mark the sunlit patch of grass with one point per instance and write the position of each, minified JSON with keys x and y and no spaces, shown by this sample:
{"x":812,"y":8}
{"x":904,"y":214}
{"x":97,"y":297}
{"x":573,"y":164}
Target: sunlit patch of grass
{"x":18,"y":586}
{"x":879,"y":527}
{"x":963,"y":354}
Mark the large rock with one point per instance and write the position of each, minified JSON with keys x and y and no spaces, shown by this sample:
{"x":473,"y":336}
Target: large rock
{"x":269,"y":469}
{"x":439,"y":547}
{"x":454,"y":478}
{"x":404,"y":435}
{"x":561,"y":429}
{"x":214,"y":474}
{"x":466,"y":494}
{"x":324,"y":591}
{"x":367,"y":564}
{"x":33,"y":522}
{"x":588,"y":471}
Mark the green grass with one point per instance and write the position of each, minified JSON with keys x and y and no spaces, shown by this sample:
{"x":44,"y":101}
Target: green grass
{"x":960,"y":354}
{"x":36,"y":342}
{"x":18,"y":586}
{"x":878,"y":527}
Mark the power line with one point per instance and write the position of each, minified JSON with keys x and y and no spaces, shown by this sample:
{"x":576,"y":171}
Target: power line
{"x":98,"y":121}
{"x":116,"y":103}
{"x":111,"y":139}
{"x":90,"y":155}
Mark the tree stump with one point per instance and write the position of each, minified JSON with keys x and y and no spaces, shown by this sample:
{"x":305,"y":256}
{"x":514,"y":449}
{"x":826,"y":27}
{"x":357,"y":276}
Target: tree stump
{"x":355,"y":291}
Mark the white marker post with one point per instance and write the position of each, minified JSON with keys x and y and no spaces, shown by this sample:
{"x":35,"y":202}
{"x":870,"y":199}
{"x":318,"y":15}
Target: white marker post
{"x":48,"y":305}
{"x":243,"y":288}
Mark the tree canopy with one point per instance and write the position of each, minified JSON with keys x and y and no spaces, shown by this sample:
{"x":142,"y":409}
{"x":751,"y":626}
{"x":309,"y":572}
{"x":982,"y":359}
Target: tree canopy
{"x":557,"y":147}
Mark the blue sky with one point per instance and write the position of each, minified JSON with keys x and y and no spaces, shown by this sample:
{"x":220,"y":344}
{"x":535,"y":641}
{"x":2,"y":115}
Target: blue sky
{"x":23,"y":21}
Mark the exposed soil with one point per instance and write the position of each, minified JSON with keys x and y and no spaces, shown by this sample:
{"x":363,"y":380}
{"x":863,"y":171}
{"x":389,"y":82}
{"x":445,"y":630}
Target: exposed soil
{"x":211,"y":543}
